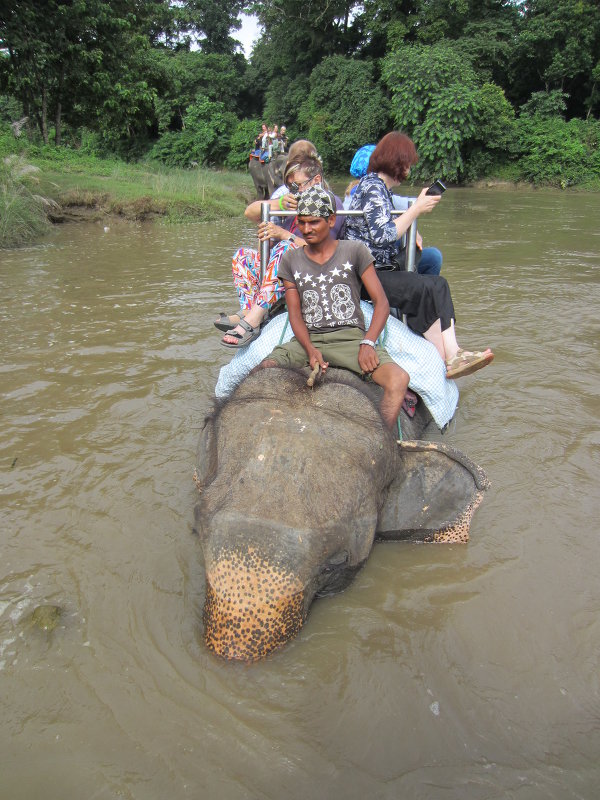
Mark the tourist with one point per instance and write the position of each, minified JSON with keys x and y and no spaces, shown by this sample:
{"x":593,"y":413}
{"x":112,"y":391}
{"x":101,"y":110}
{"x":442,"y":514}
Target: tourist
{"x":322,"y":289}
{"x":428,"y":260}
{"x":283,"y":139}
{"x":424,"y":299}
{"x":258,"y":296}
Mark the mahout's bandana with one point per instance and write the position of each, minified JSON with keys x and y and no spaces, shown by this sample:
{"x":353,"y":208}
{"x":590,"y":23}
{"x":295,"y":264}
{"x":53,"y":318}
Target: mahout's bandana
{"x":315,"y":202}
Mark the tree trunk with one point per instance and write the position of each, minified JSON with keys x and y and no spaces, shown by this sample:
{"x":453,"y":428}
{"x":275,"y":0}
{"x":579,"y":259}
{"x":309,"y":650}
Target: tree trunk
{"x":57,"y":118}
{"x":45,"y":114}
{"x":57,"y":124}
{"x":589,"y":111}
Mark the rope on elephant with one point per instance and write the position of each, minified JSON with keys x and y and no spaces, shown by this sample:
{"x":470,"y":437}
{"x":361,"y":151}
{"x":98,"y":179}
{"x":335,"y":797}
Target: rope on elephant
{"x":382,"y":341}
{"x":283,"y":331}
{"x":383,"y":336}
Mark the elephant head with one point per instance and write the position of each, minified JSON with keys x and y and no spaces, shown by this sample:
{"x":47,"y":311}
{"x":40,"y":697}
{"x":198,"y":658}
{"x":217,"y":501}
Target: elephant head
{"x":267,"y":176}
{"x":294,"y":487}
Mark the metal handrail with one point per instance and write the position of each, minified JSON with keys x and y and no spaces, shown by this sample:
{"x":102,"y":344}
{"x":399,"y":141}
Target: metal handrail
{"x":266,"y":214}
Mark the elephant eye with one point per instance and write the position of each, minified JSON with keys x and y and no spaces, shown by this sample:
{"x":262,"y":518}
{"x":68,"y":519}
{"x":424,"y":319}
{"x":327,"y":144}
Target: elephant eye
{"x":336,"y":561}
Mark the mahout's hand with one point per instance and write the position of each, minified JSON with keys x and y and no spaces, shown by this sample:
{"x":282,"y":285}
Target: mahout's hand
{"x":315,"y":357}
{"x":368,"y":359}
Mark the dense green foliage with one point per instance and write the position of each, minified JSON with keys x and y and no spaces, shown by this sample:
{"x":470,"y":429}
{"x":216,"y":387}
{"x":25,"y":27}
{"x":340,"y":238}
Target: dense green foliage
{"x":459,"y":123}
{"x":203,"y":140}
{"x":344,"y":106}
{"x":242,"y":134}
{"x":554,"y":151}
{"x":485,"y":87}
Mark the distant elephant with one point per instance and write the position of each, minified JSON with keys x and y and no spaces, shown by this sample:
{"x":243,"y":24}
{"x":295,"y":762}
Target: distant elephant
{"x":278,"y":165}
{"x":295,"y":485}
{"x":267,"y":176}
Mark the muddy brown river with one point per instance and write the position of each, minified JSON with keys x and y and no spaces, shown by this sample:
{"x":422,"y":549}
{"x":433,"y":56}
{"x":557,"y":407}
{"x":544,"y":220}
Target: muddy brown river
{"x":444,"y":672}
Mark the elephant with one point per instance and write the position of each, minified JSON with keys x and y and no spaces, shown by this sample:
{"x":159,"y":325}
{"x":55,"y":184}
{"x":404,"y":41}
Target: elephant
{"x":267,"y":176}
{"x":295,"y":485}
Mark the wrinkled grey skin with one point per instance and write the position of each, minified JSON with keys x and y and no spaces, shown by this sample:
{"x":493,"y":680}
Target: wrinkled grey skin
{"x":295,"y":485}
{"x":267,"y":177}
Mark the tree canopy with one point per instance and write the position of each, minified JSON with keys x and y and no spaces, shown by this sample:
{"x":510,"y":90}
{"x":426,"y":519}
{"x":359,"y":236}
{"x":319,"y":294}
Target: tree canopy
{"x":474,"y":82}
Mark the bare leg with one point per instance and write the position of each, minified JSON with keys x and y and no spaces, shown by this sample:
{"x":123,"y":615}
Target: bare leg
{"x":434,"y":335}
{"x":450,"y":343}
{"x":444,"y":341}
{"x":394,"y":381}
{"x":459,"y":362}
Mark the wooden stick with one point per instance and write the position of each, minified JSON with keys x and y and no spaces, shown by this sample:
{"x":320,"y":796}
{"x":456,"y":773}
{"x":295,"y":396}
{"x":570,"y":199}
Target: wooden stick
{"x":313,"y":375}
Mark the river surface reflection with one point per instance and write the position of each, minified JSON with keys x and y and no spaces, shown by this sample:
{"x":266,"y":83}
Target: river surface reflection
{"x":452,"y":672}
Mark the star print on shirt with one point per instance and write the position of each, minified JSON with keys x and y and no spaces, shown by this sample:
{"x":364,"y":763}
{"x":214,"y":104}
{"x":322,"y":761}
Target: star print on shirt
{"x":335,"y":272}
{"x":322,"y":278}
{"x":347,"y":266}
{"x":297,"y":276}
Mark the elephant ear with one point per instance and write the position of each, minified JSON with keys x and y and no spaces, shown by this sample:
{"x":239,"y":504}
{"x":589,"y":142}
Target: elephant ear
{"x":433,"y":496}
{"x":206,"y":453}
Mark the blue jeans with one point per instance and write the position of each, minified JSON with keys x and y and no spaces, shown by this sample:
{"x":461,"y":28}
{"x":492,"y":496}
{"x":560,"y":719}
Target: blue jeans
{"x":430,"y":262}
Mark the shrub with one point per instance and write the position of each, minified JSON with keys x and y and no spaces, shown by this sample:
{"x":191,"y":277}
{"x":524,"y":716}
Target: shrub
{"x":22,"y":212}
{"x":241,"y":142}
{"x":556,"y":152}
{"x":546,"y":104}
{"x":494,"y":138}
{"x":449,"y":123}
{"x":204,"y":139}
{"x":8,"y":143}
{"x":10,"y":108}
{"x":345,"y":109}
{"x":454,"y":118}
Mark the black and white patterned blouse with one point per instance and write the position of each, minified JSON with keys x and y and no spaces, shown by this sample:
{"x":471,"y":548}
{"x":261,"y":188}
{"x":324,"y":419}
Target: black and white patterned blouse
{"x":376,"y":227}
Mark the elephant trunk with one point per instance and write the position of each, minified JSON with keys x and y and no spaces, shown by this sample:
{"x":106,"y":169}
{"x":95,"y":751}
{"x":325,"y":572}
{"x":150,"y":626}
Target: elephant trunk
{"x":252,"y":606}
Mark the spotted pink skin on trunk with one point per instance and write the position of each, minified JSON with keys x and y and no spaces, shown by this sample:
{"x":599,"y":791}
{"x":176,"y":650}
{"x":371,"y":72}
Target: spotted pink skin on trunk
{"x":251,"y":607}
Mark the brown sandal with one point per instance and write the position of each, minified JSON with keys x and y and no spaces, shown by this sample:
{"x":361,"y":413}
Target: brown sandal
{"x":225,"y":322}
{"x":465,"y":363}
{"x":242,"y":339}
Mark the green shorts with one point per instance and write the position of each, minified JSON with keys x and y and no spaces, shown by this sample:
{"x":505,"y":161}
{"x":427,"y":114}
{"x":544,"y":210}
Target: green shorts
{"x":338,"y":347}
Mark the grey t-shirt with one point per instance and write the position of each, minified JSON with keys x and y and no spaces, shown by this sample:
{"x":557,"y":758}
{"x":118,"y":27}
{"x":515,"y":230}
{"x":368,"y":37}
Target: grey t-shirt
{"x":329,"y":292}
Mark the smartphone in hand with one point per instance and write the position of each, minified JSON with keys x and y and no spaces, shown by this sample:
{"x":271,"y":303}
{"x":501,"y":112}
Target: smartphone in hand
{"x":436,"y":188}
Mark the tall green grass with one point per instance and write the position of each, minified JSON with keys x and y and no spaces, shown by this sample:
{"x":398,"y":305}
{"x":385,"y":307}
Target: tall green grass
{"x":44,"y":177}
{"x":22,"y":210}
{"x":143,"y":189}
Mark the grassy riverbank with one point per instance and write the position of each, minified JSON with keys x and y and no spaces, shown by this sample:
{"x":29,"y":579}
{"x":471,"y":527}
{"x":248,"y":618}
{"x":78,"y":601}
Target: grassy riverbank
{"x":45,"y":185}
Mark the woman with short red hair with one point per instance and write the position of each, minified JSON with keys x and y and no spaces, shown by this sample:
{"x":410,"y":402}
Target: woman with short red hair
{"x":424,"y":299}
{"x":397,"y":153}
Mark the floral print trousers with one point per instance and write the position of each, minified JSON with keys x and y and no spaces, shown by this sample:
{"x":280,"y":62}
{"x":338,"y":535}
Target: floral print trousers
{"x":246,"y":276}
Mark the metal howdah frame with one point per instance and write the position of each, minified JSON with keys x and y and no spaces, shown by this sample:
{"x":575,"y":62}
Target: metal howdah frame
{"x":266,"y":215}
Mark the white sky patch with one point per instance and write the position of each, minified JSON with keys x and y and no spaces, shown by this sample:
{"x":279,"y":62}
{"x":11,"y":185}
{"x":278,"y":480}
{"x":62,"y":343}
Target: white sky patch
{"x":248,"y":33}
